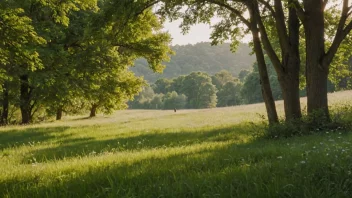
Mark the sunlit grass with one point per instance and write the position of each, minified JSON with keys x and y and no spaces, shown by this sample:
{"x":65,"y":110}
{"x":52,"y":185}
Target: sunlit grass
{"x":191,"y":153}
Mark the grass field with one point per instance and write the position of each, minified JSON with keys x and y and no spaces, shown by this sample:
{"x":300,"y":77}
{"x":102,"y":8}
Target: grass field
{"x":191,"y":153}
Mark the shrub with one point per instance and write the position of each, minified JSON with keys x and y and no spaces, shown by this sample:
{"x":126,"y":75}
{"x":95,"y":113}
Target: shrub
{"x":340,"y":121}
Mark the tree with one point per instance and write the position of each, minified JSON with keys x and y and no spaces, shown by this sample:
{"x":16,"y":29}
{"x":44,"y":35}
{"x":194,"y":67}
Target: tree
{"x":142,"y":99}
{"x":119,"y":48}
{"x":243,"y":74}
{"x":251,"y":86}
{"x":229,"y":95}
{"x":174,"y":101}
{"x":322,"y":45}
{"x":16,"y":49}
{"x":200,"y":91}
{"x":162,"y":85}
{"x":221,"y":78}
{"x":59,"y":54}
{"x":280,"y":37}
{"x":232,"y":14}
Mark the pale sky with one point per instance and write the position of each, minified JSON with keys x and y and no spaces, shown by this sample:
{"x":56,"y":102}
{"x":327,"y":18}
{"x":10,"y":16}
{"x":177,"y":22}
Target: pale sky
{"x":198,"y":33}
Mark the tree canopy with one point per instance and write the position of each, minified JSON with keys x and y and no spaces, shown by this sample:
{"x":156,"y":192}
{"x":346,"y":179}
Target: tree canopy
{"x":65,"y":56}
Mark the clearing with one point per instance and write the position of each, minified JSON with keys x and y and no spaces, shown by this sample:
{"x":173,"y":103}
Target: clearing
{"x":191,"y":153}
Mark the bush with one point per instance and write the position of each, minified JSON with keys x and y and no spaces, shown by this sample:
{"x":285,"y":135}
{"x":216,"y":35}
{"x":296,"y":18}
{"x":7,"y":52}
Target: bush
{"x":340,"y":121}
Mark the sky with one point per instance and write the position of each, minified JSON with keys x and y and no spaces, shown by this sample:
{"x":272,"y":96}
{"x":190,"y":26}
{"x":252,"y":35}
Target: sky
{"x":198,"y":33}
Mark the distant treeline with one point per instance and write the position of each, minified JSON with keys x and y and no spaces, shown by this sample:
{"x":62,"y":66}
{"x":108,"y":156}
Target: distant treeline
{"x":201,"y":90}
{"x":199,"y":57}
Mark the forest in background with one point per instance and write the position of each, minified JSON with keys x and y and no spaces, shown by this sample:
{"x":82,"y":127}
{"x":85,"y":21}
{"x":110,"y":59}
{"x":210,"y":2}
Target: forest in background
{"x":204,"y":89}
{"x":200,"y":57}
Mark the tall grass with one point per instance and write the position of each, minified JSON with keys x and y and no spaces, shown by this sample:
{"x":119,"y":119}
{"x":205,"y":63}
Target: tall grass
{"x":191,"y":153}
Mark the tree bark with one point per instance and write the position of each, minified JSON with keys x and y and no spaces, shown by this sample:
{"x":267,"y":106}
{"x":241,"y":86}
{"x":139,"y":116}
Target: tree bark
{"x":93,"y":110}
{"x":59,"y":113}
{"x":289,"y":80}
{"x":5,"y":105}
{"x":288,"y":68}
{"x":263,"y":73}
{"x":25,"y":99}
{"x":316,"y":70}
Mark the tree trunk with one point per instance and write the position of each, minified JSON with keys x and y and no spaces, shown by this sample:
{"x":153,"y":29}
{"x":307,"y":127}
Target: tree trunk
{"x":290,"y":93}
{"x":263,"y":73}
{"x":316,"y":71}
{"x":288,"y":68}
{"x":5,"y":105}
{"x":59,"y":113}
{"x":93,"y":111}
{"x":25,"y":95}
{"x":289,"y":80}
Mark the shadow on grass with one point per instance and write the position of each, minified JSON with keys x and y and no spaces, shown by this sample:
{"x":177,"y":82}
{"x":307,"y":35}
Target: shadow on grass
{"x":237,"y":170}
{"x":18,"y":137}
{"x":151,"y":140}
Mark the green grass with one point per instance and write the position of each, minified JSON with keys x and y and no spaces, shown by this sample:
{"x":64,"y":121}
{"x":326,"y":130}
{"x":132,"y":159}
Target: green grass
{"x":191,"y":153}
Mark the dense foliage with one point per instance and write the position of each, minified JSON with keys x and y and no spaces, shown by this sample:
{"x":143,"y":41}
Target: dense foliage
{"x":73,"y":56}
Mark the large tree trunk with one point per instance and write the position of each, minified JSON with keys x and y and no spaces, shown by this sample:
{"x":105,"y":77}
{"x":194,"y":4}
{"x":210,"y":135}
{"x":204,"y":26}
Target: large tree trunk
{"x":289,"y":81}
{"x":316,"y":71}
{"x":290,"y":93}
{"x":25,"y":100}
{"x":59,"y":113}
{"x":5,"y":105}
{"x":263,"y":73}
{"x":288,"y":68}
{"x":93,"y":111}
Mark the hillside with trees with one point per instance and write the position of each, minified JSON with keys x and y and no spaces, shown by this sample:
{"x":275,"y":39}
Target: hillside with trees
{"x":202,"y":90}
{"x":201,"y":57}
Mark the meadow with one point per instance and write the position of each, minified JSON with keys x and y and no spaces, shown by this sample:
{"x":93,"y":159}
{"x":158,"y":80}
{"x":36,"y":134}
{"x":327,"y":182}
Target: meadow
{"x":190,"y":153}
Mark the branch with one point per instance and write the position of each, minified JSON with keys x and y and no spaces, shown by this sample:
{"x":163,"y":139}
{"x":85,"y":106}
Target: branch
{"x":233,"y":10}
{"x":265,"y":39}
{"x":300,"y":12}
{"x":341,"y":34}
{"x":268,"y":6}
{"x":132,"y":16}
{"x":281,"y":26}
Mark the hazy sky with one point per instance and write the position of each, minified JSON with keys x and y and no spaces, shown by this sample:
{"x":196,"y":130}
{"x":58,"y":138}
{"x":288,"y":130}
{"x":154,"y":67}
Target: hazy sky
{"x":198,"y":33}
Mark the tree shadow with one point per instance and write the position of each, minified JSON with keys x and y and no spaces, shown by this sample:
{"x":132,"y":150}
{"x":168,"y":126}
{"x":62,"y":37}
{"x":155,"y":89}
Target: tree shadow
{"x":18,"y":137}
{"x":234,"y":170}
{"x":237,"y":169}
{"x":151,"y":140}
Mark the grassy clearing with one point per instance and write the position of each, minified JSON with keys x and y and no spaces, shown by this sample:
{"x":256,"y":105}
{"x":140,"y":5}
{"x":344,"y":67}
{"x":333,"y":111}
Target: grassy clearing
{"x":191,"y":153}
